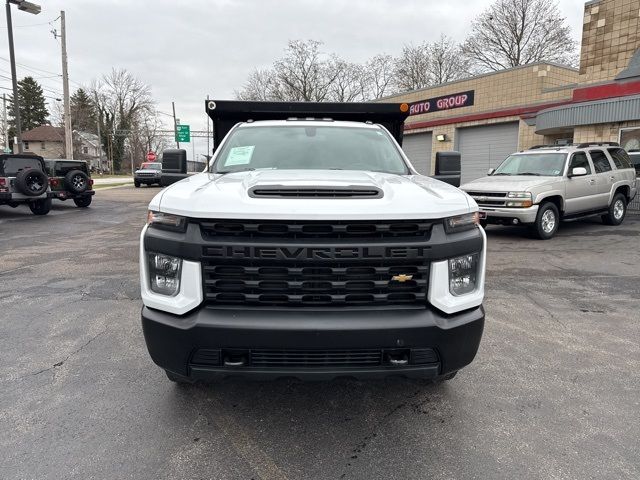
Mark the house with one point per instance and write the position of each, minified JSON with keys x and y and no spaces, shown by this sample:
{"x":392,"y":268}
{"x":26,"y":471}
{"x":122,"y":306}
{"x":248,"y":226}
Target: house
{"x":45,"y":140}
{"x":86,"y":146}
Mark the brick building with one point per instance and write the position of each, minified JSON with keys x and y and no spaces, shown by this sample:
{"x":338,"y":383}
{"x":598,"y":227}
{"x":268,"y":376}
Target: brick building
{"x":489,"y":116}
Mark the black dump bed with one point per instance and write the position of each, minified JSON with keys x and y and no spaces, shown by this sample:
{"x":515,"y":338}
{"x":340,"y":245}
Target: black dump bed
{"x":226,"y":113}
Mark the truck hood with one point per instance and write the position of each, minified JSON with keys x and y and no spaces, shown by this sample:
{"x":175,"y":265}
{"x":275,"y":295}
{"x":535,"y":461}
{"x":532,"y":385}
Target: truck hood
{"x":208,"y":195}
{"x":511,"y":183}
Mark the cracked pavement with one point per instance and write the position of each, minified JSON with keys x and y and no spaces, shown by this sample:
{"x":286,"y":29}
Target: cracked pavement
{"x":553,"y":393}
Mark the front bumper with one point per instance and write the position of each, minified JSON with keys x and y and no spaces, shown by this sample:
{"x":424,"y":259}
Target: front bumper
{"x":180,"y":343}
{"x":505,"y":215}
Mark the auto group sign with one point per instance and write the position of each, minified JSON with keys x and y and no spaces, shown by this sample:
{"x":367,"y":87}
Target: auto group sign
{"x":446,"y":102}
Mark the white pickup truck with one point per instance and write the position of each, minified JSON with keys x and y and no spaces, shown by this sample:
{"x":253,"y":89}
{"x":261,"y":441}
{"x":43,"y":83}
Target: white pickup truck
{"x":311,"y":248}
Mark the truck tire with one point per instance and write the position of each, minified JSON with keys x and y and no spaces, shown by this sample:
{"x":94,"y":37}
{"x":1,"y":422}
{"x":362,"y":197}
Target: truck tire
{"x":76,"y":181}
{"x":32,"y":182}
{"x":136,"y":184}
{"x":40,"y":207}
{"x":547,"y":221}
{"x":82,"y":202}
{"x":179,"y":379}
{"x":617,"y":210}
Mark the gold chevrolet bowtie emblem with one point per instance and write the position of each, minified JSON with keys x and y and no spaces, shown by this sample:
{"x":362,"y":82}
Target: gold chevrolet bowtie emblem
{"x":402,"y":277}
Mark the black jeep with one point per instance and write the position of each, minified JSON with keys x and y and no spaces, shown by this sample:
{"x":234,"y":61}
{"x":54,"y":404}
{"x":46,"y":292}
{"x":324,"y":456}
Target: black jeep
{"x":70,"y":179}
{"x":23,"y":179}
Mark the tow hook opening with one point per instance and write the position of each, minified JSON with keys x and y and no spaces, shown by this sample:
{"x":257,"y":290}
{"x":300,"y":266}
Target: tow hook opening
{"x":235,"y":358}
{"x":397,"y":358}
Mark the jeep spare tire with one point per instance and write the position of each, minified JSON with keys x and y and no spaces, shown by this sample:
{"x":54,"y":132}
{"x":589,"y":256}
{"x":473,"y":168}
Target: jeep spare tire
{"x":32,"y":182}
{"x":76,"y":181}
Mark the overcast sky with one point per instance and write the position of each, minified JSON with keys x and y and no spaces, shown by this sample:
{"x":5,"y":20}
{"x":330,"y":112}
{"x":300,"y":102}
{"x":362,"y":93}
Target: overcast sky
{"x":188,"y":49}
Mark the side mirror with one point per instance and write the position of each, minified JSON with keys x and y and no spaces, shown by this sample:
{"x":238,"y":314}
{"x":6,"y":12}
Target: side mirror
{"x":448,"y":168}
{"x":490,"y":171}
{"x":578,"y":172}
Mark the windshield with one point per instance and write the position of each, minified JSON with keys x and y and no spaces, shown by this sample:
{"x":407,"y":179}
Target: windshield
{"x":310,"y":148}
{"x":152,"y":166}
{"x":543,"y":164}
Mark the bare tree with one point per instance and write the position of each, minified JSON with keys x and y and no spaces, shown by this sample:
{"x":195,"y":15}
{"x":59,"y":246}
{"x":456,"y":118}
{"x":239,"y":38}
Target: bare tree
{"x":378,"y":78}
{"x":412,"y":68}
{"x":262,"y":85}
{"x":517,"y":32}
{"x":446,"y":61}
{"x":121,"y":101}
{"x":347,"y":83}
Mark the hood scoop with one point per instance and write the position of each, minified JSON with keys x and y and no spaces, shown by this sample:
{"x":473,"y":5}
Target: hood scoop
{"x":281,"y":191}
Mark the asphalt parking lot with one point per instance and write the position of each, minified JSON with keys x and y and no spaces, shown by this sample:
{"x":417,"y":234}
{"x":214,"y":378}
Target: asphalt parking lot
{"x":553,"y":393}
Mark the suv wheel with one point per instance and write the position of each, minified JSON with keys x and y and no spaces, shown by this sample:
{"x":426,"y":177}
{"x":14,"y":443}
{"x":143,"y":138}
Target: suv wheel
{"x":32,"y":182}
{"x":82,"y":201}
{"x":547,"y":221}
{"x":77,"y":181}
{"x":40,"y":207}
{"x":617,"y":210}
{"x":136,"y":184}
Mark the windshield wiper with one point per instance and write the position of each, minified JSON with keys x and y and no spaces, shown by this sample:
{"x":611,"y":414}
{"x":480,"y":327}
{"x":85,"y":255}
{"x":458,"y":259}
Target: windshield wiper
{"x":531,"y":173}
{"x":496,"y":174}
{"x":222,"y":172}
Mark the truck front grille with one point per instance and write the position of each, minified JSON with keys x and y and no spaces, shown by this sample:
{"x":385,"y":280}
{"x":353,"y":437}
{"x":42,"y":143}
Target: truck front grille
{"x":315,"y":229}
{"x":315,"y":284}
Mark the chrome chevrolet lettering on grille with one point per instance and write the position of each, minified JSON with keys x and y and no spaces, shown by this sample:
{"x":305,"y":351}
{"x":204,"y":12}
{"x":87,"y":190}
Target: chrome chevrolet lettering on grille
{"x":314,"y":253}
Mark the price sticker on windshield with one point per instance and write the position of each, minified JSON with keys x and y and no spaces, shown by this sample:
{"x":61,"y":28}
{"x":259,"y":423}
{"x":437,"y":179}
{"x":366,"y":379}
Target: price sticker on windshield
{"x":239,"y":156}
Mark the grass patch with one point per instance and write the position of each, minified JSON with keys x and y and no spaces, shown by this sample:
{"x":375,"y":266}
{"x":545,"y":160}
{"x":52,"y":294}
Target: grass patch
{"x":110,"y":185}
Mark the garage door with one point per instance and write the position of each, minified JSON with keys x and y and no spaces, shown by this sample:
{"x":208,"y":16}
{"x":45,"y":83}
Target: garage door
{"x":418,"y":148}
{"x":485,"y":147}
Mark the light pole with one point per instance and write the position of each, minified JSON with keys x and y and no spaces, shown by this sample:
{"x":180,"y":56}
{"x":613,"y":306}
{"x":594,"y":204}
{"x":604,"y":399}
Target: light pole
{"x":29,"y":8}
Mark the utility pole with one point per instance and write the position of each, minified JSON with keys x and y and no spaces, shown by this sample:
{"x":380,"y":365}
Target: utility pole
{"x":99,"y":146}
{"x":14,"y":80}
{"x":4,"y":122}
{"x":175,"y":124}
{"x":68,"y":134}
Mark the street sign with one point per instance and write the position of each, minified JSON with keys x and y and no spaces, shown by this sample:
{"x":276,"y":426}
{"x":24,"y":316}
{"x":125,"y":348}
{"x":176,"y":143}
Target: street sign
{"x":183,"y":133}
{"x":151,"y":156}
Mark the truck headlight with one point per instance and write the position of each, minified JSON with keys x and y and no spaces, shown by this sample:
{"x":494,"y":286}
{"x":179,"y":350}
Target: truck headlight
{"x":461,"y":223}
{"x":463,"y":274}
{"x":164,"y":272}
{"x":519,"y":199}
{"x":166,"y":221}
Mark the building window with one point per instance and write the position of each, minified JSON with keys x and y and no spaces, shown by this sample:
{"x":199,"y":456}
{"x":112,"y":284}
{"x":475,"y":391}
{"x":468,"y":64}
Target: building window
{"x":85,"y":149}
{"x":26,"y":145}
{"x":630,"y":138}
{"x":43,"y":146}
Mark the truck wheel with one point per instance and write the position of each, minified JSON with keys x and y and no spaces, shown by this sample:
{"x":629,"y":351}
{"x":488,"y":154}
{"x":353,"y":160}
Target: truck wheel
{"x":617,"y":210}
{"x":179,"y":379}
{"x":82,"y":201}
{"x":136,"y":184}
{"x":446,"y":378}
{"x":40,"y":207}
{"x":547,"y":221}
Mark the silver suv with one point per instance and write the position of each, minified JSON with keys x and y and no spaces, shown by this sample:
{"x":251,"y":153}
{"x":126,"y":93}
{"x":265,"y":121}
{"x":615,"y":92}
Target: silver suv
{"x":541,"y":186}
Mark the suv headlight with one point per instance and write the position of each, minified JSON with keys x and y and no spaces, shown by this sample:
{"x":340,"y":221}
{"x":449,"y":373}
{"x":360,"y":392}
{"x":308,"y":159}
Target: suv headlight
{"x":166,"y":221}
{"x":519,"y":199}
{"x":463,"y":274}
{"x":461,"y":223}
{"x":164,"y":272}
